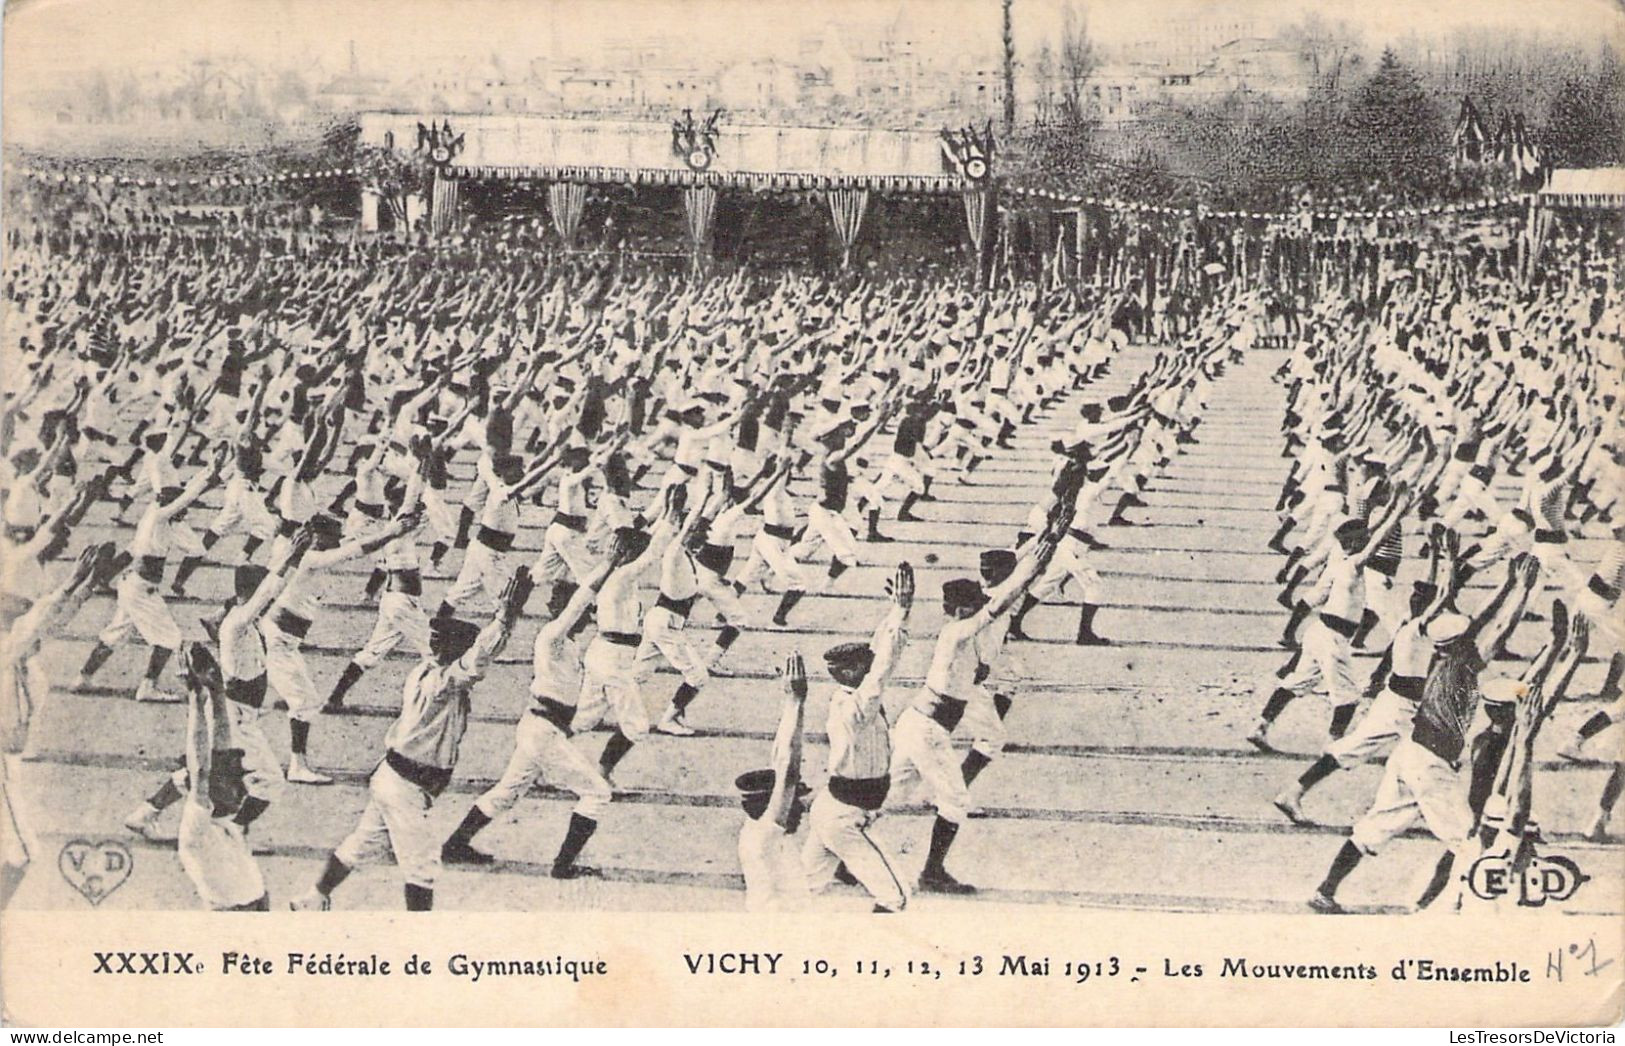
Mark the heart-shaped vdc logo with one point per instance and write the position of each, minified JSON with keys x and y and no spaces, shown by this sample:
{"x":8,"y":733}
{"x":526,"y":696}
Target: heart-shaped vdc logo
{"x":95,"y":869}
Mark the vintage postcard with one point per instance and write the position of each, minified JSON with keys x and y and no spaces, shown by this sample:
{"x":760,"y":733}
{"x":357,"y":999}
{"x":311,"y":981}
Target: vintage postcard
{"x":707,"y":512}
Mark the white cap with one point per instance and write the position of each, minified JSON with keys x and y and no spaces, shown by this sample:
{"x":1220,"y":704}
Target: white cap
{"x":1503,"y":690}
{"x":1446,"y":627}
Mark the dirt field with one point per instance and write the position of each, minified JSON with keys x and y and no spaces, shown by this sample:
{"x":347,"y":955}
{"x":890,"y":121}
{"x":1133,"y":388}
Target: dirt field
{"x":1126,"y":783}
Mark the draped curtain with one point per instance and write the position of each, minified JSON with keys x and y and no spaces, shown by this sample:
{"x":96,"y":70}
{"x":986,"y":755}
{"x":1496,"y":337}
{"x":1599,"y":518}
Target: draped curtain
{"x":1538,"y":230}
{"x":978,"y":220}
{"x":566,"y":201}
{"x":977,"y":213}
{"x":700,"y":204}
{"x":1058,"y":261}
{"x":443,"y":210}
{"x":846,"y":209}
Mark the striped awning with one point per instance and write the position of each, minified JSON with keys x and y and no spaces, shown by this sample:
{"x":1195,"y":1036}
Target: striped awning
{"x":761,"y":181}
{"x":1594,"y":187}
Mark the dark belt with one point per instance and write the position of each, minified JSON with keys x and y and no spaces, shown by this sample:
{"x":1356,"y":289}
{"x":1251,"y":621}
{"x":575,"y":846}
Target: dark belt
{"x":1602,"y":588}
{"x":1522,"y":516}
{"x":496,"y":540}
{"x":151,"y":569}
{"x":432,"y":779}
{"x":776,"y":530}
{"x":1408,"y":687}
{"x":370,"y":510}
{"x":717,"y":466}
{"x":621,"y":638}
{"x":556,"y":712}
{"x":407,"y":582}
{"x":865,"y":793}
{"x":571,"y":522}
{"x":1447,"y":746}
{"x":947,"y":710}
{"x":292,"y":623}
{"x":1387,"y":566}
{"x":1551,"y":537}
{"x":715,"y":558}
{"x":250,"y":692}
{"x":688,"y":470}
{"x":681,"y":607}
{"x":1341,"y":625}
{"x":1077,"y":534}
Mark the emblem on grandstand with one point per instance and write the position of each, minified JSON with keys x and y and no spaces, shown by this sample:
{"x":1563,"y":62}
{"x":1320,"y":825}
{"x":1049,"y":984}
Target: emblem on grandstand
{"x":968,"y":152}
{"x":695,"y":144}
{"x":438,"y":144}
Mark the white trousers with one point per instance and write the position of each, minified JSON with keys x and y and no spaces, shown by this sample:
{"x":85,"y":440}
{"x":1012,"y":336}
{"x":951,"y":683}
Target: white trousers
{"x":542,"y":752}
{"x":395,"y":821}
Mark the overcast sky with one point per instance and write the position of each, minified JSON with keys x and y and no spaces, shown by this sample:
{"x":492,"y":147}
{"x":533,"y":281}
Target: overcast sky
{"x":48,"y":39}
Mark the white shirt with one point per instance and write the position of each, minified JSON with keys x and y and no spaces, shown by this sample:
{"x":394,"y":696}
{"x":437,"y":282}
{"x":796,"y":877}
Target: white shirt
{"x":217,"y":859}
{"x":771,"y":860}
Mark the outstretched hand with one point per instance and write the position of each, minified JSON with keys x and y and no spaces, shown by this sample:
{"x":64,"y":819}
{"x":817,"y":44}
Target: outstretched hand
{"x":516,"y":593}
{"x":303,"y":539}
{"x":794,"y":673}
{"x":85,"y":565}
{"x":1579,"y":634}
{"x":1561,"y":624}
{"x":900,"y":586}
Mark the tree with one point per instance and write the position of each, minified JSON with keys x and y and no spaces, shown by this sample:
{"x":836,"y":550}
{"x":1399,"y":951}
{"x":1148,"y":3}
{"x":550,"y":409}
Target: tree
{"x":1078,"y":61}
{"x":1394,"y":128}
{"x":394,"y":175}
{"x":1009,"y":72}
{"x":1044,"y":76}
{"x":1328,"y":48}
{"x":1584,"y":127}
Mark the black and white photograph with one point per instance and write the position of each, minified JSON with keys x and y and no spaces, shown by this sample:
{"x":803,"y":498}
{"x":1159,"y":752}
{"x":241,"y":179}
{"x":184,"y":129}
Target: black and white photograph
{"x":894,"y":460}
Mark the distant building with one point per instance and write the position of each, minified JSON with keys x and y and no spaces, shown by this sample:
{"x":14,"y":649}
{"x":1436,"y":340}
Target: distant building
{"x":759,"y":85}
{"x":1171,"y":39}
{"x":1120,"y":92}
{"x":1256,"y":65}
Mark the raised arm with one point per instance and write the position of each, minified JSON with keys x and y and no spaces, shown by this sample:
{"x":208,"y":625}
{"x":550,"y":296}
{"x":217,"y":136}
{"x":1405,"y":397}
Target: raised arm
{"x":891,"y":635}
{"x":787,"y":743}
{"x":194,"y":489}
{"x":206,"y":720}
{"x":281,"y":570}
{"x":1035,"y":558}
{"x":494,"y":636}
{"x":1493,"y":625}
{"x":402,"y":524}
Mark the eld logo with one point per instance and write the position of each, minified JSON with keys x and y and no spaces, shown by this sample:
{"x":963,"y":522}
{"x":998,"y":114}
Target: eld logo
{"x":1543,"y":879}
